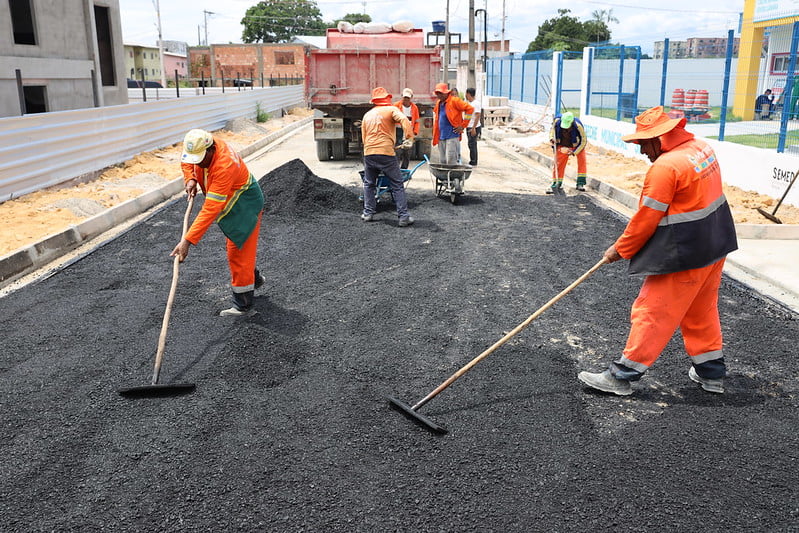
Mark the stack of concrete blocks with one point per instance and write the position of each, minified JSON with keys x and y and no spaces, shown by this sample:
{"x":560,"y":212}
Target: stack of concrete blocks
{"x":497,"y":112}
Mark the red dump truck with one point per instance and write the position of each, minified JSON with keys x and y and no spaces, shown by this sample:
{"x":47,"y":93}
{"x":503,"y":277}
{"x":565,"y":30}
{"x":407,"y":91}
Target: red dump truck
{"x":339,"y":81}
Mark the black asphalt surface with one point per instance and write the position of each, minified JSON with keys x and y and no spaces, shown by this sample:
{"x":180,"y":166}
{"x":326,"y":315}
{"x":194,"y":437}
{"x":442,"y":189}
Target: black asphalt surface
{"x":289,"y":429}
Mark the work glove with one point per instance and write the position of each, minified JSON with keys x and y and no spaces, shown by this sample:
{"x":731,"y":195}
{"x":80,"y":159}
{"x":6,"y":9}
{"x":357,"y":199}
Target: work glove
{"x":407,"y":143}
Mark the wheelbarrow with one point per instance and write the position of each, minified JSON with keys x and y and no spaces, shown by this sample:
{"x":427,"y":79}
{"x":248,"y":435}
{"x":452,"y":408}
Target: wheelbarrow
{"x":449,"y":179}
{"x":383,"y":186}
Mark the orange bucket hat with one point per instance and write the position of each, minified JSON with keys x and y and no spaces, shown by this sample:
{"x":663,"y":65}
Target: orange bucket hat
{"x":379,"y":93}
{"x":441,"y":88}
{"x":652,"y":123}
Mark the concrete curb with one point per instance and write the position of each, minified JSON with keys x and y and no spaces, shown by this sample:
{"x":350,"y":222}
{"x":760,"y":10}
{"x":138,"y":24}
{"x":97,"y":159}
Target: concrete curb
{"x":25,"y":260}
{"x":630,"y":201}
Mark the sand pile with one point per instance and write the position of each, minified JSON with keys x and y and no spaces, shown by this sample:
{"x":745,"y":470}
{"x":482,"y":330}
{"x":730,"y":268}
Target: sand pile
{"x":293,"y":189}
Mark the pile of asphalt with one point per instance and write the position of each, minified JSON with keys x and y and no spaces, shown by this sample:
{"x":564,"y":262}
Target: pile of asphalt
{"x":293,"y":189}
{"x":289,"y":429}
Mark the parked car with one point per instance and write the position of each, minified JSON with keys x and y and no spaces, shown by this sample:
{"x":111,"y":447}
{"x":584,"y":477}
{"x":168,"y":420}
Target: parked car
{"x":136,"y":84}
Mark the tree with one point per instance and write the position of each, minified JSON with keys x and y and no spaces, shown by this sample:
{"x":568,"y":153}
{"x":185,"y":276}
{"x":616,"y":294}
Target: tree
{"x":561,"y":30}
{"x":277,"y":21}
{"x":567,"y":33}
{"x":354,"y":18}
{"x":598,"y":25}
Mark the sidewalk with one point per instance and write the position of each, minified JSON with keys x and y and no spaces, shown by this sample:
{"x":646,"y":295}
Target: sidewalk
{"x":767,"y":259}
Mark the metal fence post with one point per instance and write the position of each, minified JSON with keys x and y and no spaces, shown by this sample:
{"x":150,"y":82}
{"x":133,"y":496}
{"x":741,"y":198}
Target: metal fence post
{"x":20,"y":91}
{"x":622,"y":53}
{"x":521,"y":95}
{"x":202,"y":82}
{"x":663,"y":76}
{"x":177,"y":84}
{"x":95,"y":96}
{"x":789,"y":106}
{"x":725,"y":90}
{"x":143,"y":87}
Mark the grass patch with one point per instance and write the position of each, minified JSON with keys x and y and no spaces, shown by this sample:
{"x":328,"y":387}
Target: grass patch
{"x":260,"y":114}
{"x":768,"y":140}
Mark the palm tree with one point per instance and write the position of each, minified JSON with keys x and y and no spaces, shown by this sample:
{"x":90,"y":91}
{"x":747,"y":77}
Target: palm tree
{"x":603,"y":17}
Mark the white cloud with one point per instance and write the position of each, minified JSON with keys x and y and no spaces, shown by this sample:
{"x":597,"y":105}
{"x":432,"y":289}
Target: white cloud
{"x":641,"y":22}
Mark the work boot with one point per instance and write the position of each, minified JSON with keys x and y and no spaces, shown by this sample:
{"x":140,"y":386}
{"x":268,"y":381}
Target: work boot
{"x":581,"y":183}
{"x":403,"y":222}
{"x":259,"y":279}
{"x":367,"y":218}
{"x":709,"y":385}
{"x":605,"y":382}
{"x":242,"y":305}
{"x":556,"y":187}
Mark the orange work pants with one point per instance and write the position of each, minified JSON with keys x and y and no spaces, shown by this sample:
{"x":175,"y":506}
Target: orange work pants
{"x":242,"y":261}
{"x":688,"y":300}
{"x":562,"y":159}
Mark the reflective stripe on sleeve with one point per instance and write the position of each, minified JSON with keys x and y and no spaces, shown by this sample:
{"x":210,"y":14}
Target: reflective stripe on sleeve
{"x":216,"y":197}
{"x":654,"y":204}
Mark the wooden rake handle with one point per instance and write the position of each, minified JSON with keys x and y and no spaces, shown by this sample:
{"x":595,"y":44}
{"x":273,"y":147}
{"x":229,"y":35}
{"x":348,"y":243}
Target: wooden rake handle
{"x":159,"y":355}
{"x":507,"y":337}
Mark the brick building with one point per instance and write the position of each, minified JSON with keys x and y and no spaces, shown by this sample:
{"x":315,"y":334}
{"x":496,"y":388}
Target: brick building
{"x":282,"y":61}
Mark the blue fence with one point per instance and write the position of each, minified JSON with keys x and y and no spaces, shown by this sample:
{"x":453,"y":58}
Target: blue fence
{"x":619,"y":84}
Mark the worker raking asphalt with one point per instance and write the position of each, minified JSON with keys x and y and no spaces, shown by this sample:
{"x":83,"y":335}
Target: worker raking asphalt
{"x":288,"y":429}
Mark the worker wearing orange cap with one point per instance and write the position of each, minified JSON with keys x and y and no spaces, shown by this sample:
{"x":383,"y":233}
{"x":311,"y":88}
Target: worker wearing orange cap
{"x":411,"y":112}
{"x":449,"y":123}
{"x":233,"y":199}
{"x":379,"y":155}
{"x":679,"y":238}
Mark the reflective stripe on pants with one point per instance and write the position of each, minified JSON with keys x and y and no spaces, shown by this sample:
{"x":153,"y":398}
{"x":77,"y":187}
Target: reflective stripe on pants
{"x":688,"y":300}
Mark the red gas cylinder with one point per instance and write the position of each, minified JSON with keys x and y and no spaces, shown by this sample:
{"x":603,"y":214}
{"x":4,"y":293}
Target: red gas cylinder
{"x":678,"y":99}
{"x":701,"y":100}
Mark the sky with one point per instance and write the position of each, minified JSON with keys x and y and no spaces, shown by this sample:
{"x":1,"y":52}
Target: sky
{"x":641,"y":22}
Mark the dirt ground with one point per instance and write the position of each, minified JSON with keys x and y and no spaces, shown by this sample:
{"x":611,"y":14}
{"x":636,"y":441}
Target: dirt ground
{"x":628,"y":174}
{"x":31,"y":217}
{"x":289,"y":429}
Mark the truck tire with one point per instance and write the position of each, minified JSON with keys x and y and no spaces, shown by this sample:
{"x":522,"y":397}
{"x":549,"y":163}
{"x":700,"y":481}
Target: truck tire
{"x":339,"y":149}
{"x":323,"y":150}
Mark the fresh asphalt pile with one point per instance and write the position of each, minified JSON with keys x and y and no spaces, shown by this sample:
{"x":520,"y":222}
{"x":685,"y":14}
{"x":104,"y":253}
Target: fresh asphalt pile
{"x":289,"y":429}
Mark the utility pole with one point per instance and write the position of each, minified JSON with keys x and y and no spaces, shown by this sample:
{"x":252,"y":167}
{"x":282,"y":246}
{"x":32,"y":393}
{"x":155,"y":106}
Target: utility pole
{"x":470,"y":82}
{"x":205,"y":18}
{"x":502,"y":42}
{"x":445,"y":75}
{"x":160,"y":43}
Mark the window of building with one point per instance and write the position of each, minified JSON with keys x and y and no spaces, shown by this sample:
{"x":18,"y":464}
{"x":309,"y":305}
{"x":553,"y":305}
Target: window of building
{"x":35,"y":98}
{"x":105,"y":48}
{"x":22,"y":21}
{"x":284,"y":58}
{"x":779,"y":63}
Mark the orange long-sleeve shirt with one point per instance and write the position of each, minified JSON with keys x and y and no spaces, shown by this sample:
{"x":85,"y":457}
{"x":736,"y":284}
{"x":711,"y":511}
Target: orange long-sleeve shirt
{"x":683,"y":219}
{"x":220,"y":182}
{"x":378,"y":129}
{"x":455,"y":108}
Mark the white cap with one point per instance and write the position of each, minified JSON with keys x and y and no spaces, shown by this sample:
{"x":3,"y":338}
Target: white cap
{"x":407,"y":92}
{"x":195,"y":143}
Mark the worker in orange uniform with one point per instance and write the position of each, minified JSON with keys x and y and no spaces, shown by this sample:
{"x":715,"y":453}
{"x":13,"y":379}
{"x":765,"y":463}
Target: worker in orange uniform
{"x":567,"y":136}
{"x":378,"y":132}
{"x":449,"y":123}
{"x":411,"y":112}
{"x":233,"y":199}
{"x":679,"y":238}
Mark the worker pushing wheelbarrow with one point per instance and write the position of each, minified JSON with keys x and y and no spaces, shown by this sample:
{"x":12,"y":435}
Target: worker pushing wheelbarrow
{"x":449,"y":179}
{"x":383,"y":186}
